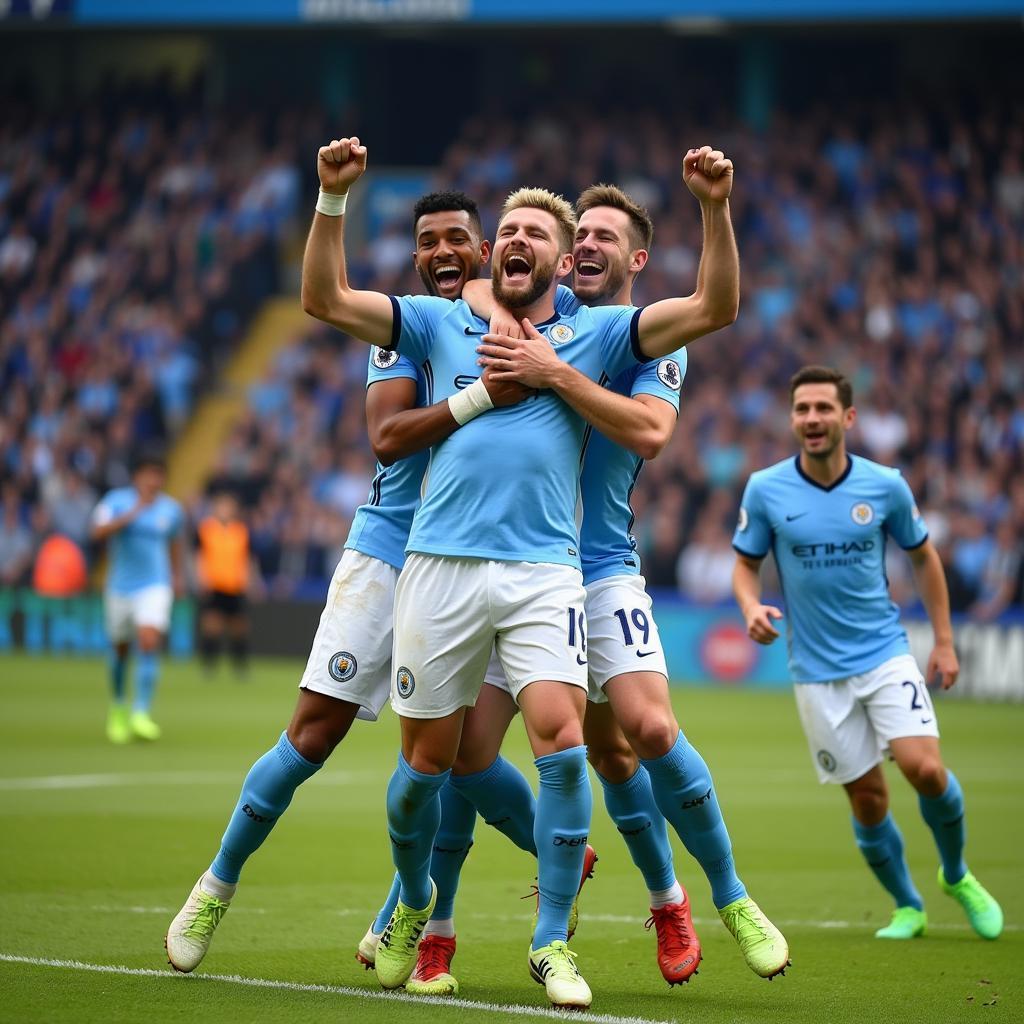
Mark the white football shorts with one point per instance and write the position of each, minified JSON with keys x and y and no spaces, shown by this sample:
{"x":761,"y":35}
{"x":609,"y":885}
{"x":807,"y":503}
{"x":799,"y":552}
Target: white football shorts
{"x":623,"y":634}
{"x":849,"y":722}
{"x":450,"y":612}
{"x":125,"y":613}
{"x":351,"y":654}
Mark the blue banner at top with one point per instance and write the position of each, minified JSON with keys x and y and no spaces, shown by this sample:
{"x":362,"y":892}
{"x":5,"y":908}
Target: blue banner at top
{"x":276,"y":12}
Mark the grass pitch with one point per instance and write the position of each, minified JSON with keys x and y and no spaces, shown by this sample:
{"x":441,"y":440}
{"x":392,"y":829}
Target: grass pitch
{"x":101,"y":846}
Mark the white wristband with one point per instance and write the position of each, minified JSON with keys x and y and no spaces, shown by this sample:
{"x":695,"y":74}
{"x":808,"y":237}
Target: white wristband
{"x":470,"y":402}
{"x":331,"y":205}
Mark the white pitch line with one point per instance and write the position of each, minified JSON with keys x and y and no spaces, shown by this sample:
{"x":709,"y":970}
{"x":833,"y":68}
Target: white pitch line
{"x":103,"y":780}
{"x":336,"y":990}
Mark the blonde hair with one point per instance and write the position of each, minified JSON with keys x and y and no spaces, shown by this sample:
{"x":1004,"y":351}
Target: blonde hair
{"x":542,"y":199}
{"x":611,"y":195}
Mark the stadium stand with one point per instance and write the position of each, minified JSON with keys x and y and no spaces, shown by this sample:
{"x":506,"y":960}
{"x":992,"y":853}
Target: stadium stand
{"x":887,"y":238}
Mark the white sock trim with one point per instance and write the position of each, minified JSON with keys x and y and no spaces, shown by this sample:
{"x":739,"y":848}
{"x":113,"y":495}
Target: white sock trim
{"x":213,"y":886}
{"x":445,"y":927}
{"x":663,"y":897}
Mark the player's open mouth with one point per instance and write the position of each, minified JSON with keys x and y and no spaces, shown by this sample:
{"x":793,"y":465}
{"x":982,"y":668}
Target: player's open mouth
{"x":588,"y":268}
{"x":516,"y":268}
{"x":813,"y":438}
{"x":447,"y":277}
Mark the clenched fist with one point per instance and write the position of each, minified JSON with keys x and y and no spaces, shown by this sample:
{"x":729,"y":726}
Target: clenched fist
{"x":340,"y":165}
{"x":708,"y":174}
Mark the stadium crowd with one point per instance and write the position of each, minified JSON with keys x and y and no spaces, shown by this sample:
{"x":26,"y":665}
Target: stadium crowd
{"x":895,"y":253}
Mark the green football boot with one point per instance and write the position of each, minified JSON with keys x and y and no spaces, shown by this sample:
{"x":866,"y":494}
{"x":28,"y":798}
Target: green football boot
{"x":552,"y":966}
{"x":144,"y":727}
{"x":119,"y":727}
{"x":395,"y":958}
{"x":985,"y":915}
{"x":761,"y":943}
{"x":191,"y":931}
{"x":906,"y":923}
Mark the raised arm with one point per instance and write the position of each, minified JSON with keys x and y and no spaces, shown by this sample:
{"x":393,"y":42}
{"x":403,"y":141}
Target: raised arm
{"x":666,"y":325}
{"x":326,"y":294}
{"x":931,"y":585}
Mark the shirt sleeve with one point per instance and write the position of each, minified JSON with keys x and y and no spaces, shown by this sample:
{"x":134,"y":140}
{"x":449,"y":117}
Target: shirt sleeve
{"x":620,"y":343}
{"x":387,"y":364}
{"x":566,"y":303}
{"x":903,"y":519}
{"x":414,"y":324}
{"x":662,"y":378}
{"x":104,"y":511}
{"x":753,"y":534}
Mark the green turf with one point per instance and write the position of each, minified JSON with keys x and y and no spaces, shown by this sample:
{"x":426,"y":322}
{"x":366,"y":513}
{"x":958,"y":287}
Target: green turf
{"x":92,"y":872}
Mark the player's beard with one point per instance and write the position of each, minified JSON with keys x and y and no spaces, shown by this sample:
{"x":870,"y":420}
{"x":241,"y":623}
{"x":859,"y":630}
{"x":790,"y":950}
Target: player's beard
{"x":614,"y":278}
{"x":523,"y":295}
{"x":832,"y":439}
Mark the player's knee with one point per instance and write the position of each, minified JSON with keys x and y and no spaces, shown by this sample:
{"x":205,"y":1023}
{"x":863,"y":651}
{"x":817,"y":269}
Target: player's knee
{"x":654,"y":735}
{"x":316,"y":738}
{"x":928,"y":776}
{"x":615,"y":764}
{"x":870,"y":804}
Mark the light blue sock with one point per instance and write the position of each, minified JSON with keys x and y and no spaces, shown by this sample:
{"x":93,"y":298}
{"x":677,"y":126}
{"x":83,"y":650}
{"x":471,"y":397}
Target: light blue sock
{"x":632,"y":808}
{"x":118,"y":666}
{"x":451,"y":847}
{"x":882,"y":846}
{"x":147,"y":668}
{"x":944,"y":815}
{"x":380,"y":922}
{"x":564,"y":805}
{"x":685,"y":795}
{"x":504,"y":799}
{"x":266,"y":794}
{"x":414,"y":814}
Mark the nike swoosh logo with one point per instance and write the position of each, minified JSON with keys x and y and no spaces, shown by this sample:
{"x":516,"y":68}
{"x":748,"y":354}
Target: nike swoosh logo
{"x":925,"y":721}
{"x":645,"y":654}
{"x":475,"y":334}
{"x":580,"y":660}
{"x":790,"y":519}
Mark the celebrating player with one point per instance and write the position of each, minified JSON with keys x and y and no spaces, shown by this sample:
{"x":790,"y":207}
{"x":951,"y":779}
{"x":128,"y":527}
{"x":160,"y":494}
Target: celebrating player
{"x":348,"y":673}
{"x":635,"y":415}
{"x":493,"y":550}
{"x":144,"y":527}
{"x":826,"y":516}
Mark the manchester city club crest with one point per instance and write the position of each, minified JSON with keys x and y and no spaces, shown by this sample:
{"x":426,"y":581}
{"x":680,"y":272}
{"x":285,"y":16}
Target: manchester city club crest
{"x":384,"y":357}
{"x":669,"y":375}
{"x":405,"y":682}
{"x":342,"y":666}
{"x":744,"y":521}
{"x":560,"y":334}
{"x":862,"y":513}
{"x":826,"y":760}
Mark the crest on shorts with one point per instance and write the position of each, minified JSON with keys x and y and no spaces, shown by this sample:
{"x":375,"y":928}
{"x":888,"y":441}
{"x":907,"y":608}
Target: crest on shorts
{"x":862,"y":513}
{"x":669,"y":375}
{"x":744,"y":520}
{"x":560,"y":334}
{"x":405,"y":682}
{"x":342,"y":666}
{"x":384,"y":357}
{"x":826,"y":760}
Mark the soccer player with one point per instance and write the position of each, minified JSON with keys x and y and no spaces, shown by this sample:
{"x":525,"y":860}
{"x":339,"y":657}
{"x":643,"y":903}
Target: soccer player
{"x":348,"y":672}
{"x":143,"y":526}
{"x":493,"y":552}
{"x":826,"y":516}
{"x":635,"y":415}
{"x":223,"y":570}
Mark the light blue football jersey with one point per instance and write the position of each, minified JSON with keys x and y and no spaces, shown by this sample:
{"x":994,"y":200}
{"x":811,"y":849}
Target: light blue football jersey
{"x":610,"y":473}
{"x":380,"y":527}
{"x":829,"y":545}
{"x":505,"y":485}
{"x":139,"y":554}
